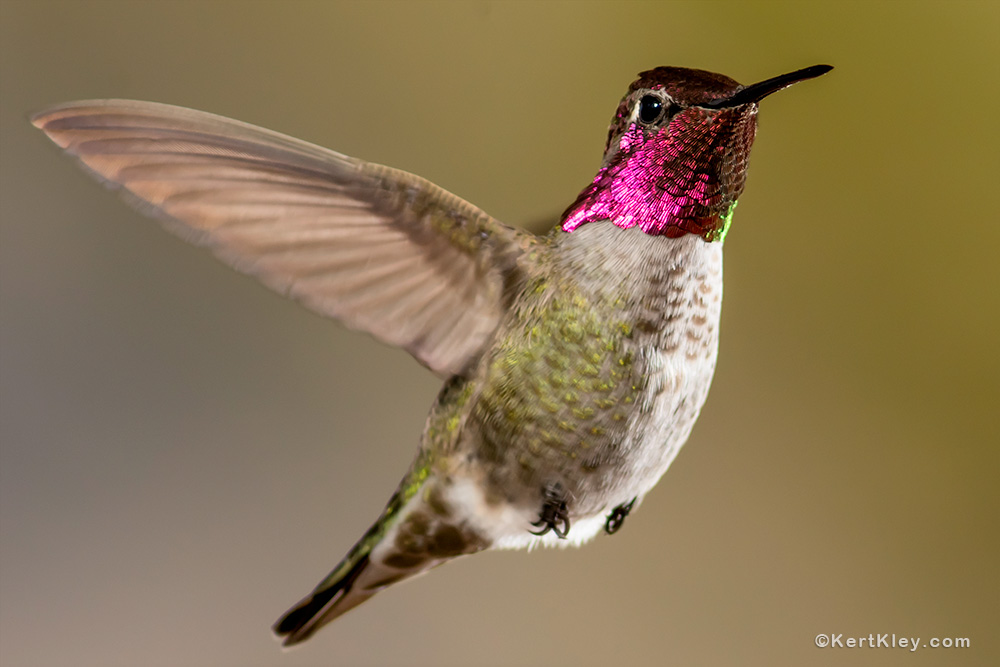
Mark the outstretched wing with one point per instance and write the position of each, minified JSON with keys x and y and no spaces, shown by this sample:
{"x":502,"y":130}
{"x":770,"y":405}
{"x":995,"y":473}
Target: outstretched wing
{"x":379,"y":249}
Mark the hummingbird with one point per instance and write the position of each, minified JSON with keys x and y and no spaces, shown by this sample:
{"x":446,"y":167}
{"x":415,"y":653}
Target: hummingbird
{"x":574,"y":364}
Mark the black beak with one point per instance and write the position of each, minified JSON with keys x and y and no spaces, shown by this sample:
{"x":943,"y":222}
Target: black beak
{"x":758,"y":91}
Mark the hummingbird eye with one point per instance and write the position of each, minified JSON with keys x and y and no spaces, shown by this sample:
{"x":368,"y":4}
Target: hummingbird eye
{"x":650,"y":109}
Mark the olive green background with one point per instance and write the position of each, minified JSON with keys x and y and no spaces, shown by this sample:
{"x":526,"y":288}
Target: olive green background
{"x":185,"y":454}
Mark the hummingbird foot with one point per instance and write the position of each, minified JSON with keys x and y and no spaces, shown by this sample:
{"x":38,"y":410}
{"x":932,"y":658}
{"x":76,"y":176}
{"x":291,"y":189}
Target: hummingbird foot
{"x":617,"y":517}
{"x":554,"y":515}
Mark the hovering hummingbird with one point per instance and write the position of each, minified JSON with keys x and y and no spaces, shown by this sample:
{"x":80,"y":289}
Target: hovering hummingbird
{"x":575,"y":364}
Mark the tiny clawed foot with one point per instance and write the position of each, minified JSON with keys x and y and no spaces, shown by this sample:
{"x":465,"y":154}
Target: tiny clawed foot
{"x":554,"y":515}
{"x":617,"y":517}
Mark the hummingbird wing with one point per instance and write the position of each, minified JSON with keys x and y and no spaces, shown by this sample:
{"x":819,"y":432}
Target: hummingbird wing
{"x":379,"y":249}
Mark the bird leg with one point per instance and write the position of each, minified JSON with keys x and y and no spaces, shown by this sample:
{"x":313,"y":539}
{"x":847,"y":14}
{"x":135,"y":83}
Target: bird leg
{"x":554,"y":515}
{"x":617,"y":517}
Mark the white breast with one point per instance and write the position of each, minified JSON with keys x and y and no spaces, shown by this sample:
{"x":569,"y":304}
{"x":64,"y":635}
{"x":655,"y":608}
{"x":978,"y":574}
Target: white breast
{"x":679,"y":282}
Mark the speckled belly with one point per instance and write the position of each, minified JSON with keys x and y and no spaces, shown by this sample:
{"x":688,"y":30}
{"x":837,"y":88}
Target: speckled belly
{"x":578,"y":402}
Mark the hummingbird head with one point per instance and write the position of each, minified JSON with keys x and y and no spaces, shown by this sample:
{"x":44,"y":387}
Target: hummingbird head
{"x":676,"y":158}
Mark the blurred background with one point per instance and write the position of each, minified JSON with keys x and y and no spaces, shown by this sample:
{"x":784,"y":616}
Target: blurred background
{"x":185,"y":454}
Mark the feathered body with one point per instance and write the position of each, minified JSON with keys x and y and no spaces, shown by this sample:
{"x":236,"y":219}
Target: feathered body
{"x":576,"y":363}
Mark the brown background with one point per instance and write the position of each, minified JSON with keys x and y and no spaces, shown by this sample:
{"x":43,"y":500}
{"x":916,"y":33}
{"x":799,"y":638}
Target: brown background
{"x":185,"y":453}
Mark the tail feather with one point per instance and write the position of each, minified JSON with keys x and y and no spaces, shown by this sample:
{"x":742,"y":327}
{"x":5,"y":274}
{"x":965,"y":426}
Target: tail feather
{"x":416,"y":532}
{"x":341,"y":591}
{"x":331,"y":598}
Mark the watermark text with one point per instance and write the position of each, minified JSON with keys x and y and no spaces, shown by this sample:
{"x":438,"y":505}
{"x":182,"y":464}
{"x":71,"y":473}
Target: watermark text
{"x":887,"y":640}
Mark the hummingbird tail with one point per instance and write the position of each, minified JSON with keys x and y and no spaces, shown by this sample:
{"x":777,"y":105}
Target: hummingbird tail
{"x":412,"y":536}
{"x":334,"y":596}
{"x":340,"y":592}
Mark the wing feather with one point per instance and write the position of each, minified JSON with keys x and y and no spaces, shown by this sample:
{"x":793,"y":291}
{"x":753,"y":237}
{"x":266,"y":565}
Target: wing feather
{"x":379,"y":249}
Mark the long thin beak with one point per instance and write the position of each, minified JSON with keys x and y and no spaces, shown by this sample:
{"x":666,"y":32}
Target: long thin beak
{"x":758,"y":91}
